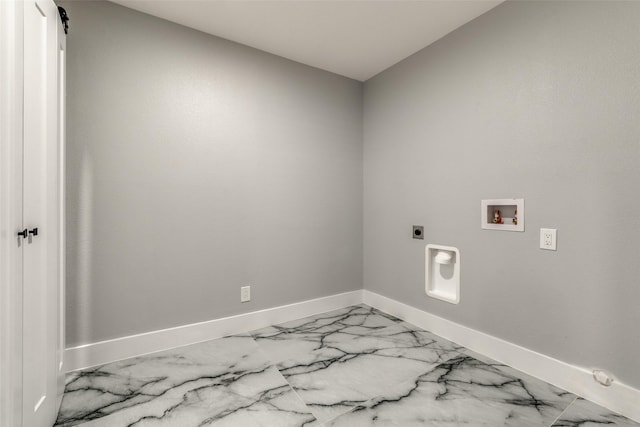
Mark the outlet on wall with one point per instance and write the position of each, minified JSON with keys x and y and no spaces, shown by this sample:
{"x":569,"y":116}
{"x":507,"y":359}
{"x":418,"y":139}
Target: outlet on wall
{"x":245,"y":294}
{"x":548,"y":239}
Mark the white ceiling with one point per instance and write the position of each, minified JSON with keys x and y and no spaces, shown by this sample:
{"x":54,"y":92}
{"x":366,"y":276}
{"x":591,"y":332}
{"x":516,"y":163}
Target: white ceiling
{"x":354,"y":38}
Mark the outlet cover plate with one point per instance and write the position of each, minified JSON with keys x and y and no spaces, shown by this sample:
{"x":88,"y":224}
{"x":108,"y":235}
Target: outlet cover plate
{"x":548,"y":239}
{"x":245,"y":294}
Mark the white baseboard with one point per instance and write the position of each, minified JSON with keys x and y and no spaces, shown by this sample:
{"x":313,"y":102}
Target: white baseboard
{"x":102,"y":352}
{"x":618,"y":397}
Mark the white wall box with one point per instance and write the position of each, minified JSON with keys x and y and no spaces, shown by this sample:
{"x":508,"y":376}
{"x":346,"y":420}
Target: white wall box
{"x":442,"y":273}
{"x":502,"y":214}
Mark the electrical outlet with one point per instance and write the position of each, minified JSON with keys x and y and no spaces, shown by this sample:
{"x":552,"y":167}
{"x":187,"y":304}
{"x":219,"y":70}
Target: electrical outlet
{"x":548,"y":239}
{"x":245,"y":294}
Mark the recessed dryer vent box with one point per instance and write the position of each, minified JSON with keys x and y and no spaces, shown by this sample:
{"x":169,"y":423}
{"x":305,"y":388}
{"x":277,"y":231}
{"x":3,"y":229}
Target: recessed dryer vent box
{"x":502,"y":214}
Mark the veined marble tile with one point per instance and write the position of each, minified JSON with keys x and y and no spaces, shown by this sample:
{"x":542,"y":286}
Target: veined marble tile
{"x":416,"y":338}
{"x":354,"y":367}
{"x":462,"y":391}
{"x":583,"y":413}
{"x":296,"y":340}
{"x":357,"y":329}
{"x":221,"y":382}
{"x":311,"y":332}
{"x":340,"y":359}
{"x":532,"y":383}
{"x":263,"y":399}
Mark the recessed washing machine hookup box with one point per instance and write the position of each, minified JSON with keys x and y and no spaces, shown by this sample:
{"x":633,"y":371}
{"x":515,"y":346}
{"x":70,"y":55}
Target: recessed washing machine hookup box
{"x":502,"y":214}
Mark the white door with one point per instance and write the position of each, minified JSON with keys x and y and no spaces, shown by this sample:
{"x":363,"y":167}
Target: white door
{"x":41,"y":214}
{"x":11,"y":103}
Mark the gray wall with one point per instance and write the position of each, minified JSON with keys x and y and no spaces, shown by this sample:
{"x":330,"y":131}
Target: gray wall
{"x":539,"y":100}
{"x":196,"y":166}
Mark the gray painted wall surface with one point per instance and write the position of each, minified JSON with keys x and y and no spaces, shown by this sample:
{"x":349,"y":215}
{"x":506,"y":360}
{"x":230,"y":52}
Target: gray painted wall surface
{"x":196,"y":166}
{"x":539,"y":100}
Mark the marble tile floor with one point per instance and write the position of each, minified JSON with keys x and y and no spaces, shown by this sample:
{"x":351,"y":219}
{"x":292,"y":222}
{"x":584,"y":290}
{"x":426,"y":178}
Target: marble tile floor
{"x":352,"y":367}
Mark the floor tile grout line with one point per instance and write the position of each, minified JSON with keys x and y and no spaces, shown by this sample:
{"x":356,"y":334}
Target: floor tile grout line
{"x":298,"y":396}
{"x":352,"y":409}
{"x":565,"y":410}
{"x":266,"y":355}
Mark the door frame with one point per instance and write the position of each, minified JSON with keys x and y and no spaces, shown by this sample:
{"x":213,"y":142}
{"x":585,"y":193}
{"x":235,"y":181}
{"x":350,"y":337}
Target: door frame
{"x":11,"y":109}
{"x":62,"y":205}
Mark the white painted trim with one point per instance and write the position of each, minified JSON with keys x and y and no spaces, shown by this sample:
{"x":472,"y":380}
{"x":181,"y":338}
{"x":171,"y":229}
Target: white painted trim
{"x":62,"y":218}
{"x":619,"y":397}
{"x":11,"y":102}
{"x":135,"y":345}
